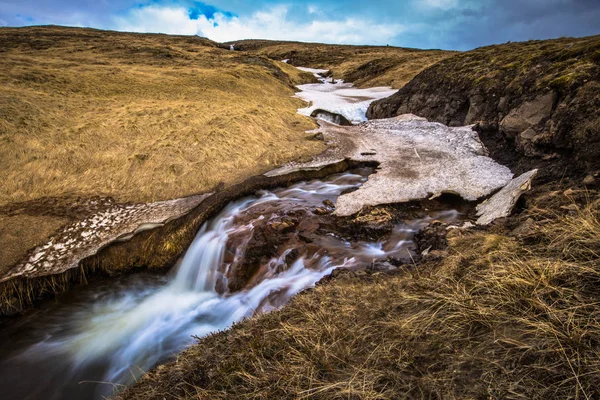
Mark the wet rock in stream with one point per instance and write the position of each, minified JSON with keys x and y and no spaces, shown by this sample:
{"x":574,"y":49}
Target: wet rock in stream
{"x":378,"y":239}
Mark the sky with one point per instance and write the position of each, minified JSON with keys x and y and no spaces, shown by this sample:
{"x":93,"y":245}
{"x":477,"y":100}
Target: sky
{"x":440,"y":24}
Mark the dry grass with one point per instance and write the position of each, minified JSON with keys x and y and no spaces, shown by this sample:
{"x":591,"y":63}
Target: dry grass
{"x":500,"y":318}
{"x":138,"y":117}
{"x":22,"y":232}
{"x":366,"y":66}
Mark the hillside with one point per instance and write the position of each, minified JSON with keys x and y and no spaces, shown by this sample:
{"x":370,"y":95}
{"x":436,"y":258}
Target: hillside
{"x":365,"y":66}
{"x":537,"y":99}
{"x":137,"y":117}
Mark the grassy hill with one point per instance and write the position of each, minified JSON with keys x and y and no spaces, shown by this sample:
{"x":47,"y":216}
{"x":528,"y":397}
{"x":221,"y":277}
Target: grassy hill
{"x":365,"y":66}
{"x":138,"y":117}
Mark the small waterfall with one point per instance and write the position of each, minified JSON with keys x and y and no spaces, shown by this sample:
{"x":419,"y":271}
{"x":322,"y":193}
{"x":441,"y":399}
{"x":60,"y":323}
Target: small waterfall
{"x":113,"y":332}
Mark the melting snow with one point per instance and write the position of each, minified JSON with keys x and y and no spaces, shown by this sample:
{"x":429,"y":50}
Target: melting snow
{"x":315,"y":71}
{"x":339,"y":97}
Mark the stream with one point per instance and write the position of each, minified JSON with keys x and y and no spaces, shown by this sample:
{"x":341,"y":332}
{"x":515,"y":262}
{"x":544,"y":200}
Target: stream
{"x":104,"y":335}
{"x":251,"y":257}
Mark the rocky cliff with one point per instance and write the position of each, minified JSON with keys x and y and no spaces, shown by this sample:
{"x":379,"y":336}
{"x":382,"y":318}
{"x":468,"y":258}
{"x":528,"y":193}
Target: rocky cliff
{"x":538,"y":99}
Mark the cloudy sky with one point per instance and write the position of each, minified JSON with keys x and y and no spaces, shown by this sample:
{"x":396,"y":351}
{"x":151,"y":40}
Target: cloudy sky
{"x":447,"y":24}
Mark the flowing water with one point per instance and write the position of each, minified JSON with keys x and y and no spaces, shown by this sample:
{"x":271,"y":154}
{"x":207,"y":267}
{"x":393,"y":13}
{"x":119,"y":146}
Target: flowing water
{"x":106,"y":334}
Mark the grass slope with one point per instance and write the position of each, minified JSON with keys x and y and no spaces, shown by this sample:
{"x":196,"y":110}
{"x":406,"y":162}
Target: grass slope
{"x":504,"y":316}
{"x":365,"y":66}
{"x":138,"y":117}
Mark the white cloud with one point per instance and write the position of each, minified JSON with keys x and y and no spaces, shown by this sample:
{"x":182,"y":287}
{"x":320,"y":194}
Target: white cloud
{"x":441,"y":4}
{"x":268,"y":24}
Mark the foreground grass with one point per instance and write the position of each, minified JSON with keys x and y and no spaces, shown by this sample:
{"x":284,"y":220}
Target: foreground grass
{"x":501,"y":317}
{"x":365,"y":66}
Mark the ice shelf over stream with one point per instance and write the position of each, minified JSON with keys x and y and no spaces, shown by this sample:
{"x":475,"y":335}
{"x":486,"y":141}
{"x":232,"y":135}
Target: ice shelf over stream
{"x":417,"y":159}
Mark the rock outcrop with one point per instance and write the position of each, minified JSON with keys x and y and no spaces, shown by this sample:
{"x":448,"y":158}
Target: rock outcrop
{"x":537,"y":99}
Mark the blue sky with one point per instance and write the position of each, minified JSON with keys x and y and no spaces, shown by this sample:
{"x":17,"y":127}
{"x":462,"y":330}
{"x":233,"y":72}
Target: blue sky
{"x":447,"y":24}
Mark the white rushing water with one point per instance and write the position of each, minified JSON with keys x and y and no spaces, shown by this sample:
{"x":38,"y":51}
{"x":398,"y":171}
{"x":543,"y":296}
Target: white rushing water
{"x":115,"y":332}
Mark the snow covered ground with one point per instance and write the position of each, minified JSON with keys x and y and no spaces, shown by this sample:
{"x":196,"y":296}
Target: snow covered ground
{"x":316,"y":72}
{"x":340,"y":97}
{"x":417,"y":158}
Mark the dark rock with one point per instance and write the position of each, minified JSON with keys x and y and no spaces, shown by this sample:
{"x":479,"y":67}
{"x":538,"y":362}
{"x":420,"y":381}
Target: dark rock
{"x":337,"y":119}
{"x":527,"y":115}
{"x":229,"y":256}
{"x":349,"y":190}
{"x":368,"y":226}
{"x":382,"y":266}
{"x":321,"y":211}
{"x":524,"y":228}
{"x":435,"y":256}
{"x":328,"y":203}
{"x":264,"y":244}
{"x":432,"y":237}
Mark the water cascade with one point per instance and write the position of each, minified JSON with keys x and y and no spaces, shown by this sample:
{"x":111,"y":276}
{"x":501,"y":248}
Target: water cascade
{"x":107,"y":334}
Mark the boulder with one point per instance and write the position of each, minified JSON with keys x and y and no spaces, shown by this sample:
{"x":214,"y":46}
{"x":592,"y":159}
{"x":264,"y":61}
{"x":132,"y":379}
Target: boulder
{"x":528,"y":115}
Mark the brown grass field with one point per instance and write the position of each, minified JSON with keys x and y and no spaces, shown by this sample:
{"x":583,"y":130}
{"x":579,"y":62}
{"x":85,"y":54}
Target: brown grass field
{"x":138,"y":117}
